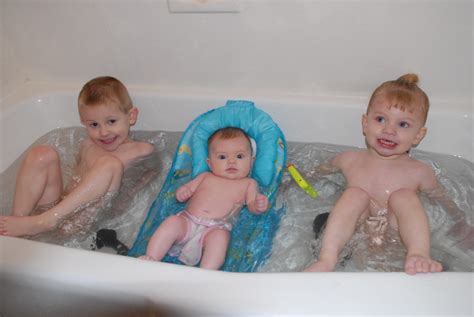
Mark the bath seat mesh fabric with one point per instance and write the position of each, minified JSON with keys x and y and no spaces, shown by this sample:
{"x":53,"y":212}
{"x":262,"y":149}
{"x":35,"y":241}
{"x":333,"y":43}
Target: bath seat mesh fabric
{"x":252,"y":235}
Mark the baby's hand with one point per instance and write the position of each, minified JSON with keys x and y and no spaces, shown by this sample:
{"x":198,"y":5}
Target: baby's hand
{"x":261,"y":203}
{"x":183,"y":193}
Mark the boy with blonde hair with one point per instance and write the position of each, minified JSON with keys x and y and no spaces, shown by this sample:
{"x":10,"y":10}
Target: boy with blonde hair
{"x":41,"y":203}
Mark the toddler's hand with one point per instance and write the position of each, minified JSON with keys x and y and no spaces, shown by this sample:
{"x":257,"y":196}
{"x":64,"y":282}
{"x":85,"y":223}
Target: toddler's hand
{"x":463,"y":233}
{"x":183,"y":193}
{"x":261,"y":203}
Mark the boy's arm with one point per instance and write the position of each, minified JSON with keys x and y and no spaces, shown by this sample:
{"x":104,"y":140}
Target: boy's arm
{"x":184,"y":192}
{"x":132,"y":151}
{"x":256,"y":202}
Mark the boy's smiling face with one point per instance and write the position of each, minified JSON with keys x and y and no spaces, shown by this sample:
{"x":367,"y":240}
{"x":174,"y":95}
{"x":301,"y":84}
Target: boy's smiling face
{"x":107,"y":126}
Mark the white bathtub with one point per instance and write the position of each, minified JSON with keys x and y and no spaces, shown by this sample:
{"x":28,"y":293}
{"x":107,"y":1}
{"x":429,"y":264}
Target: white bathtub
{"x":49,"y":280}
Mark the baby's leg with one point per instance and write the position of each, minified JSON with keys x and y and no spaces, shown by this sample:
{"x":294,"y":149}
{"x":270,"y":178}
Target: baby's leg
{"x":340,"y":226}
{"x":105,"y":176}
{"x":214,"y":249}
{"x":414,"y":231}
{"x":39,"y":180}
{"x":171,"y":230}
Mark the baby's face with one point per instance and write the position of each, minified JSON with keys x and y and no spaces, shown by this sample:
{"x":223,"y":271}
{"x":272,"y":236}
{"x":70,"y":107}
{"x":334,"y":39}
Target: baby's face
{"x":230,"y":158}
{"x":390,"y":131}
{"x":107,"y":126}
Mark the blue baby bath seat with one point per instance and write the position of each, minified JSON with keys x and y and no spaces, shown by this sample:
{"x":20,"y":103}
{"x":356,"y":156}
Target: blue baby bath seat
{"x":252,"y":235}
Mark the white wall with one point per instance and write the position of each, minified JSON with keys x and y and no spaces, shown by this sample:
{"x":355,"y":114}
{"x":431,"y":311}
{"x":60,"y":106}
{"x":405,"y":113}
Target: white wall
{"x":290,"y":47}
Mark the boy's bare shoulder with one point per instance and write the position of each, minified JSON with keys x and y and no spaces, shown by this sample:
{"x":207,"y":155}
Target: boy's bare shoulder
{"x":144,"y":148}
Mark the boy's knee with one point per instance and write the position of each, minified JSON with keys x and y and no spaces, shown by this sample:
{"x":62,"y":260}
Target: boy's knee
{"x":42,"y":155}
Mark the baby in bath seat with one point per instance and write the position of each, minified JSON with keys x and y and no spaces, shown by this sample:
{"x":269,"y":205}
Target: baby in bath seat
{"x":201,"y":232}
{"x":40,"y":204}
{"x":383,"y":181}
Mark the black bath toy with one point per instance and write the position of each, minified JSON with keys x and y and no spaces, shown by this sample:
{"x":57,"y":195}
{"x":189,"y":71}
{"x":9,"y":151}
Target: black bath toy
{"x":319,"y":223}
{"x":108,"y":238}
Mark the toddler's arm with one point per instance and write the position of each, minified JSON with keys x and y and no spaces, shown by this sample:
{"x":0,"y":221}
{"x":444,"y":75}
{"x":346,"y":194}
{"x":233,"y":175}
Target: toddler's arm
{"x":185,"y":192}
{"x":256,"y":202}
{"x":462,"y":231}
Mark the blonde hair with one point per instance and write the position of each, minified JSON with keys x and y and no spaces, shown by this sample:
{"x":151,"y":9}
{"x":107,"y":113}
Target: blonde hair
{"x":403,"y":94}
{"x":105,"y":89}
{"x":228,"y":133}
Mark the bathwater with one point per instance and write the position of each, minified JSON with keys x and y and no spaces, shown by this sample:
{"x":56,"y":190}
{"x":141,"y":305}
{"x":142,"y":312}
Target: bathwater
{"x":294,"y":245}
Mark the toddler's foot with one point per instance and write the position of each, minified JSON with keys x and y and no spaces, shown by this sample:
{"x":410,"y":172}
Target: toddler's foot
{"x":147,"y":258}
{"x":421,"y":264}
{"x":319,"y":266}
{"x":16,"y":226}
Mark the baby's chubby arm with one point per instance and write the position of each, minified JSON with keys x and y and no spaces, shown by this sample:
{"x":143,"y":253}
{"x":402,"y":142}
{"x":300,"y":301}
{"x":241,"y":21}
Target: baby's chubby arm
{"x":184,"y":192}
{"x":462,"y":231}
{"x":256,"y":202}
{"x":333,"y":165}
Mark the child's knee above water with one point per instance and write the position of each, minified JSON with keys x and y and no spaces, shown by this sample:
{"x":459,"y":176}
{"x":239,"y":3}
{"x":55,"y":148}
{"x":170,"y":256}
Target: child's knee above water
{"x":107,"y":112}
{"x":393,"y":124}
{"x":213,"y":199}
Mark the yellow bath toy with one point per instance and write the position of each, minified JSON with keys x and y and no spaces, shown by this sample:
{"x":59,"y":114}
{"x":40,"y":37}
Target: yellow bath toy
{"x":301,"y":181}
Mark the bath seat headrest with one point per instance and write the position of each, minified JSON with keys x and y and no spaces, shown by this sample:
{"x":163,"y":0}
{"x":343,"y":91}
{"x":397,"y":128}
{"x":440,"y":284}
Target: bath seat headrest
{"x":255,"y":122}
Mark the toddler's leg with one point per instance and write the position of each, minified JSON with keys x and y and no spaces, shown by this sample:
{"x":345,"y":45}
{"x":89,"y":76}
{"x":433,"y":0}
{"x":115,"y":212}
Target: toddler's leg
{"x":340,"y":227}
{"x":39,"y":180}
{"x":414,"y":231}
{"x":214,"y":249}
{"x":105,"y":176}
{"x":171,"y":230}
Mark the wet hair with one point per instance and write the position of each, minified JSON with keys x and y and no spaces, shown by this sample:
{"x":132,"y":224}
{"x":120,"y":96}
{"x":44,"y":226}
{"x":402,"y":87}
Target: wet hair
{"x":403,"y":94}
{"x":105,"y":89}
{"x":227,"y":134}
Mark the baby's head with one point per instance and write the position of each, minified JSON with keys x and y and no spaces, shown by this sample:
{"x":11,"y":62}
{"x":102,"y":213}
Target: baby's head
{"x":107,"y":112}
{"x":403,"y":94}
{"x":230,"y":153}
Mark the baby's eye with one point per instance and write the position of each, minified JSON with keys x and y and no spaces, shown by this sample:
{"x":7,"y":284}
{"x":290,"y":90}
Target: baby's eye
{"x":240,"y":156}
{"x":112,"y":121}
{"x":404,"y":124}
{"x":221,"y":157}
{"x":94,"y":125}
{"x":380,"y":119}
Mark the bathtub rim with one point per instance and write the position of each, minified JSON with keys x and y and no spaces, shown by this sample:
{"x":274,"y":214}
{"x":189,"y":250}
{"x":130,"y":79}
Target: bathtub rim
{"x":279,"y":293}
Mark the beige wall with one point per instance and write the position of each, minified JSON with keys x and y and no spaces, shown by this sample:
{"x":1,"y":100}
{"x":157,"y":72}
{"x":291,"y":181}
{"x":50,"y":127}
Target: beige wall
{"x":291,"y":47}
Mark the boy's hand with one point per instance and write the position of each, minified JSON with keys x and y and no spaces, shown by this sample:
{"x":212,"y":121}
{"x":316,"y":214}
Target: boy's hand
{"x":183,"y":193}
{"x":261,"y":203}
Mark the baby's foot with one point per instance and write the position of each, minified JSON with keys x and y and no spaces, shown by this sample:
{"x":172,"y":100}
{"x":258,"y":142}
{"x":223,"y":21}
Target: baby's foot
{"x":421,"y":264}
{"x":147,"y":258}
{"x":16,"y":226}
{"x":319,"y":266}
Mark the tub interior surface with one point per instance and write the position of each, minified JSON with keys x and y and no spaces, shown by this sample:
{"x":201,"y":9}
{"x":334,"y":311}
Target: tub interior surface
{"x":97,"y":283}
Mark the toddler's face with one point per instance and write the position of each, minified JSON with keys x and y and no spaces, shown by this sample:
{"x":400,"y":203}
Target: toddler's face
{"x":230,"y":158}
{"x":107,"y":125}
{"x":391,"y":131}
